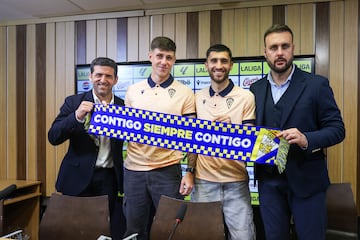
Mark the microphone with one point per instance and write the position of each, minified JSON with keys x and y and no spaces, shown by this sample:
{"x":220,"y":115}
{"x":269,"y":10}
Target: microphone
{"x":7,"y":191}
{"x":178,"y":219}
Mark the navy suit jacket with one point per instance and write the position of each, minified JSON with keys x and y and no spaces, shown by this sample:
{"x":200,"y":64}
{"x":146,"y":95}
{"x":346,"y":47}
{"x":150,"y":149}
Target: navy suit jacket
{"x":312,"y":109}
{"x":78,"y":165}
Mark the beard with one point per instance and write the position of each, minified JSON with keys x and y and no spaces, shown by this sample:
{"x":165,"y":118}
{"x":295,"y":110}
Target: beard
{"x":217,"y":79}
{"x":282,"y":69}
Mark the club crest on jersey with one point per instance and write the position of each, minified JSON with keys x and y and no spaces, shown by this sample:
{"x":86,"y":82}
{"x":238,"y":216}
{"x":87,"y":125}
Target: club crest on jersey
{"x":229,"y":102}
{"x":171,"y":92}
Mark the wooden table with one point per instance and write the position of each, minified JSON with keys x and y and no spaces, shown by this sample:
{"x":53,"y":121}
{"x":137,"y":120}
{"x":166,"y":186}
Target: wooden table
{"x":21,"y":210}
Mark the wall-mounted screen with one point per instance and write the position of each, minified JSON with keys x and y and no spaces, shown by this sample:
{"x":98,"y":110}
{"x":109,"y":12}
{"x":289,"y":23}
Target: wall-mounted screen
{"x":193,"y":74}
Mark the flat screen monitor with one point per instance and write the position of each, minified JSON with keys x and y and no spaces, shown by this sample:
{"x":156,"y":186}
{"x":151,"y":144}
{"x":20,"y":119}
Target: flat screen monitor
{"x":193,"y":74}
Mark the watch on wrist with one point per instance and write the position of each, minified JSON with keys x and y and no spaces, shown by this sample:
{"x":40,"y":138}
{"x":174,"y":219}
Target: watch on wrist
{"x":190,"y":169}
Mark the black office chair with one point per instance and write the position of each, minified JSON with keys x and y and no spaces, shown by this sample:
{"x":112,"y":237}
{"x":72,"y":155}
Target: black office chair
{"x":201,"y":220}
{"x":5,"y":193}
{"x":69,"y":217}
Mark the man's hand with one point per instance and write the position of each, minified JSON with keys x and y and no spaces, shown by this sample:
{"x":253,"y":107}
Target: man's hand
{"x":294,"y":136}
{"x":84,"y":108}
{"x":187,"y":184}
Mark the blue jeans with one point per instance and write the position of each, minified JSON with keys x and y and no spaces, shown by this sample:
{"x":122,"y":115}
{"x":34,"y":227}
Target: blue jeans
{"x":143,"y":190}
{"x":235,"y":198}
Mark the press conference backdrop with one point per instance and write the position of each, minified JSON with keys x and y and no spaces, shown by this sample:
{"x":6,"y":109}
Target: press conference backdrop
{"x":193,"y":74}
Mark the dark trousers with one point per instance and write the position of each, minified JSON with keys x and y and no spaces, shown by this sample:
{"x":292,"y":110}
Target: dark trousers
{"x":143,"y":190}
{"x":104,"y":183}
{"x":278,"y":206}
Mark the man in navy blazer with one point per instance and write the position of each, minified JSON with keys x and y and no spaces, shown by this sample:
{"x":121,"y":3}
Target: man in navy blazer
{"x":302,"y":105}
{"x":93,"y":165}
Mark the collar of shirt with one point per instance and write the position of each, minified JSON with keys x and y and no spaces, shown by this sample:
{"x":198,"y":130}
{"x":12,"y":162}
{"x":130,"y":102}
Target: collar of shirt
{"x":97,"y":100}
{"x":165,"y":84}
{"x":224,"y":92}
{"x":278,"y":90}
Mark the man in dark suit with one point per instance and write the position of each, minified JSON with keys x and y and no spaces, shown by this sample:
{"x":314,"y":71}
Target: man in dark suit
{"x":93,"y":165}
{"x":303,"y":106}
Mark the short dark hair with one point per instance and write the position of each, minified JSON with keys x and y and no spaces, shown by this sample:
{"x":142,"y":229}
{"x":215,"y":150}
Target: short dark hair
{"x":104,"y":61}
{"x":278,"y":28}
{"x":163,"y":43}
{"x":219,"y":48}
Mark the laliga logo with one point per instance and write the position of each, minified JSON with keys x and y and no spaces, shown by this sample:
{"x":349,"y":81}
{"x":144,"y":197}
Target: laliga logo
{"x":142,"y":71}
{"x":86,"y":85}
{"x":183,"y":70}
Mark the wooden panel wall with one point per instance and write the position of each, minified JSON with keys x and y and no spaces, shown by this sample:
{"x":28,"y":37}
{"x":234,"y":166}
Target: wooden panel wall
{"x":3,"y":102}
{"x":37,"y":63}
{"x":41,"y":100}
{"x":336,"y":73}
{"x":11,"y":106}
{"x":349,"y":97}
